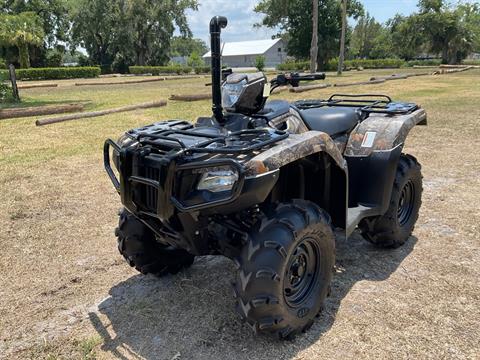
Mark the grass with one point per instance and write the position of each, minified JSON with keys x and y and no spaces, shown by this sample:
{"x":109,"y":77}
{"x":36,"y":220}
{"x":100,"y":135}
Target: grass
{"x":63,"y":280}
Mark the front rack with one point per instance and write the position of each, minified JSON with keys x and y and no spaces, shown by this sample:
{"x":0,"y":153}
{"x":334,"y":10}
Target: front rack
{"x":176,"y":135}
{"x":366,"y":103}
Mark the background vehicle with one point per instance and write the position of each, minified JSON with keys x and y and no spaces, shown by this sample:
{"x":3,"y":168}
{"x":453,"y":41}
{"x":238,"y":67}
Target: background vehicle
{"x":265,"y":184}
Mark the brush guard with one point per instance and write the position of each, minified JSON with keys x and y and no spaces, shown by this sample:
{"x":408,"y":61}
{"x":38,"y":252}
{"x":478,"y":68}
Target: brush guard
{"x":151,"y":173}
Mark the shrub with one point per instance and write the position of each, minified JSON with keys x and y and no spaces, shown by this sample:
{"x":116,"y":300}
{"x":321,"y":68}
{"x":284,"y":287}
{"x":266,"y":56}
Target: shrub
{"x":54,"y":58}
{"x":57,"y":73}
{"x":5,"y":90}
{"x":294,"y":66}
{"x":471,"y":62}
{"x":429,"y":62}
{"x":195,"y":60}
{"x":3,"y":64}
{"x":260,"y":62}
{"x":332,"y":65}
{"x":160,"y":70}
{"x":202,"y":70}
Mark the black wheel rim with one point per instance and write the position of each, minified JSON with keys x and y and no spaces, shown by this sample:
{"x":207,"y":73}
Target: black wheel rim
{"x":406,"y":203}
{"x":301,"y":272}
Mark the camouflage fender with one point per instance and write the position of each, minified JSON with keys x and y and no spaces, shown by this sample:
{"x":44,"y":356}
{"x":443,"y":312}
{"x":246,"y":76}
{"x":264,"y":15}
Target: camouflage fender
{"x":295,"y":147}
{"x":382,"y":132}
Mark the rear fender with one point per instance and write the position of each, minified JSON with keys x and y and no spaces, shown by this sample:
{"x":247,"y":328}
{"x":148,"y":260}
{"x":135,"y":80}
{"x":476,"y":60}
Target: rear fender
{"x":372,"y":154}
{"x":380,"y":132}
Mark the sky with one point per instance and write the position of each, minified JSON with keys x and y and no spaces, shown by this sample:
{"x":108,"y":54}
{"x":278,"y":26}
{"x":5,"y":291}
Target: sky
{"x":241,"y":17}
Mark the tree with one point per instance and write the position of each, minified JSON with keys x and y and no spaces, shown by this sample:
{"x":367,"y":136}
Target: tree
{"x":53,"y":15}
{"x":407,"y":36}
{"x":293,"y":18}
{"x":341,"y":58}
{"x":365,"y":37}
{"x":54,"y":21}
{"x":21,"y":30}
{"x":126,"y":32}
{"x":185,"y":46}
{"x":451,"y":31}
{"x":151,"y":24}
{"x":94,"y":26}
{"x":314,"y":44}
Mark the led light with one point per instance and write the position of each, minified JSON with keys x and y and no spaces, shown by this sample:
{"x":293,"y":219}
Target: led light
{"x":218,"y":180}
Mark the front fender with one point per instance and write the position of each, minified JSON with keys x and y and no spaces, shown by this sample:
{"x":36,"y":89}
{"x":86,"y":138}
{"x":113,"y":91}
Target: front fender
{"x":296,"y":146}
{"x":380,"y":132}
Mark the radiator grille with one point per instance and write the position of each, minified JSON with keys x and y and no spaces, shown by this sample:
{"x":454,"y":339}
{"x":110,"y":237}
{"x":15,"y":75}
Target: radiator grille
{"x":150,"y":194}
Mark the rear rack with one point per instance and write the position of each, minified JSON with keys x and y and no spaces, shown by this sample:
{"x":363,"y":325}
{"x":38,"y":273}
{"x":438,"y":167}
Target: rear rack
{"x":175,"y":135}
{"x":366,"y":103}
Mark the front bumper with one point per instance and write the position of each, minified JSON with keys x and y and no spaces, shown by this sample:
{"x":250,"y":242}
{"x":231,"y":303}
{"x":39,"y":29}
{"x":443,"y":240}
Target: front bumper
{"x":156,"y":185}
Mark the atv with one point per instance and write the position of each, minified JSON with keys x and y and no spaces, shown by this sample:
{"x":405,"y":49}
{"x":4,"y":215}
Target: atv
{"x":267,"y":184}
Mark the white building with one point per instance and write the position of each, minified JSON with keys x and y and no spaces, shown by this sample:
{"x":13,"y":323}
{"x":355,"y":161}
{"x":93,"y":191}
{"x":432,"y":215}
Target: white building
{"x":244,"y":53}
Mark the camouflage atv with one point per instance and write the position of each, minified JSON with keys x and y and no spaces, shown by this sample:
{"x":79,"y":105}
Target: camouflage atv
{"x":265,"y":184}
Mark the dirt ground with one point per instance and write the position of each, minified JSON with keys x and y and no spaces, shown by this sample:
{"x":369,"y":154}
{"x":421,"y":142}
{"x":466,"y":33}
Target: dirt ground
{"x":65,"y":292}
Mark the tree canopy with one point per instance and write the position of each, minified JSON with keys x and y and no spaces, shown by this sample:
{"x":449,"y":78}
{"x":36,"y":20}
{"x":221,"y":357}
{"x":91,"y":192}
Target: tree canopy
{"x":127,"y":31}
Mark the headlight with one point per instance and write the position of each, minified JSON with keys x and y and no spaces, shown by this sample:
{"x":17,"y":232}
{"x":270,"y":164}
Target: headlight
{"x":231,"y":93}
{"x":218,"y":180}
{"x":125,"y":140}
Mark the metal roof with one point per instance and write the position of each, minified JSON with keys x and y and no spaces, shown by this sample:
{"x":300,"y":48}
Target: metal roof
{"x":254,"y":47}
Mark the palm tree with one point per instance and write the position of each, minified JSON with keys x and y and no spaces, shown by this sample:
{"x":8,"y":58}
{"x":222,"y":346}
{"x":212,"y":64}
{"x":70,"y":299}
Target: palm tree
{"x":21,"y":30}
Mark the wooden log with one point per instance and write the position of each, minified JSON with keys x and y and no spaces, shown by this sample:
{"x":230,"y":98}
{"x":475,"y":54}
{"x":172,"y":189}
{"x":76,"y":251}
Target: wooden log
{"x":420,"y":74}
{"x":450,"y":70}
{"x":192,"y":97}
{"x":39,"y":110}
{"x":280,"y":89}
{"x":100,"y":112}
{"x":34,"y":86}
{"x":425,"y":66}
{"x":95,"y":83}
{"x":388,"y":78}
{"x":371,"y":82}
{"x":300,"y":89}
{"x":162,"y":78}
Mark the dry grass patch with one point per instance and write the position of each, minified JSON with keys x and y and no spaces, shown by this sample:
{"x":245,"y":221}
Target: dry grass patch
{"x":62,"y":278}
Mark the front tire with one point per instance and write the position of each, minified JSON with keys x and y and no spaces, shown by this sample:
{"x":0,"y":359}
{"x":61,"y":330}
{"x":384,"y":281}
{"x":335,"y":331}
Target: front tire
{"x":393,"y":229}
{"x":285,"y":269}
{"x":141,"y":250}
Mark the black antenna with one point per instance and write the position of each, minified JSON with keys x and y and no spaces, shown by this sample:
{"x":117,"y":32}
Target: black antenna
{"x":216,"y":25}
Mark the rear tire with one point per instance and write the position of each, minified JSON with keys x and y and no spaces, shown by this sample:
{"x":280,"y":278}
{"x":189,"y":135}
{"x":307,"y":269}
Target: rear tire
{"x":141,"y":250}
{"x":395,"y":227}
{"x":285,"y":269}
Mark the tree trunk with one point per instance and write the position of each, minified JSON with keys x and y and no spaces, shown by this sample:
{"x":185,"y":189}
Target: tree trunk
{"x":342,"y":38}
{"x":24,"y":58}
{"x":314,"y":45}
{"x":445,"y":54}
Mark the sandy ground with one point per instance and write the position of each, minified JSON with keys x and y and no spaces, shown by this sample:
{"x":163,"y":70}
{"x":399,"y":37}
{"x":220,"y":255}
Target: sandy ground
{"x":65,"y":292}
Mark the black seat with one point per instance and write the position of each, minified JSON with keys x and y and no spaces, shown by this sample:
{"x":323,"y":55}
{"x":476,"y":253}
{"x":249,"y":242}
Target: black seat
{"x":331,"y":120}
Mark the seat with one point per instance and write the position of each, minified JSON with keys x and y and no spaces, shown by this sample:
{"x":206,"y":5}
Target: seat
{"x":331,"y":120}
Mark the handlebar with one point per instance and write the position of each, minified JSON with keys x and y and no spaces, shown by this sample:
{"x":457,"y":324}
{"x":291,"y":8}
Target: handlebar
{"x":294,"y":79}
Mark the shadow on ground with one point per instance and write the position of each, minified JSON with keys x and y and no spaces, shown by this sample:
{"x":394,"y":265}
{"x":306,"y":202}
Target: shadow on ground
{"x":191,"y":315}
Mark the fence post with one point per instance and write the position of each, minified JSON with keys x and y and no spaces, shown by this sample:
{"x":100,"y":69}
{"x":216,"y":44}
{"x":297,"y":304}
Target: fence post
{"x":13,"y":79}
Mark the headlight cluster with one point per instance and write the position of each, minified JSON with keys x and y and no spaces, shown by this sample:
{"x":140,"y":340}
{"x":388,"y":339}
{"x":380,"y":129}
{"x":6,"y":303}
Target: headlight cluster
{"x":218,"y":180}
